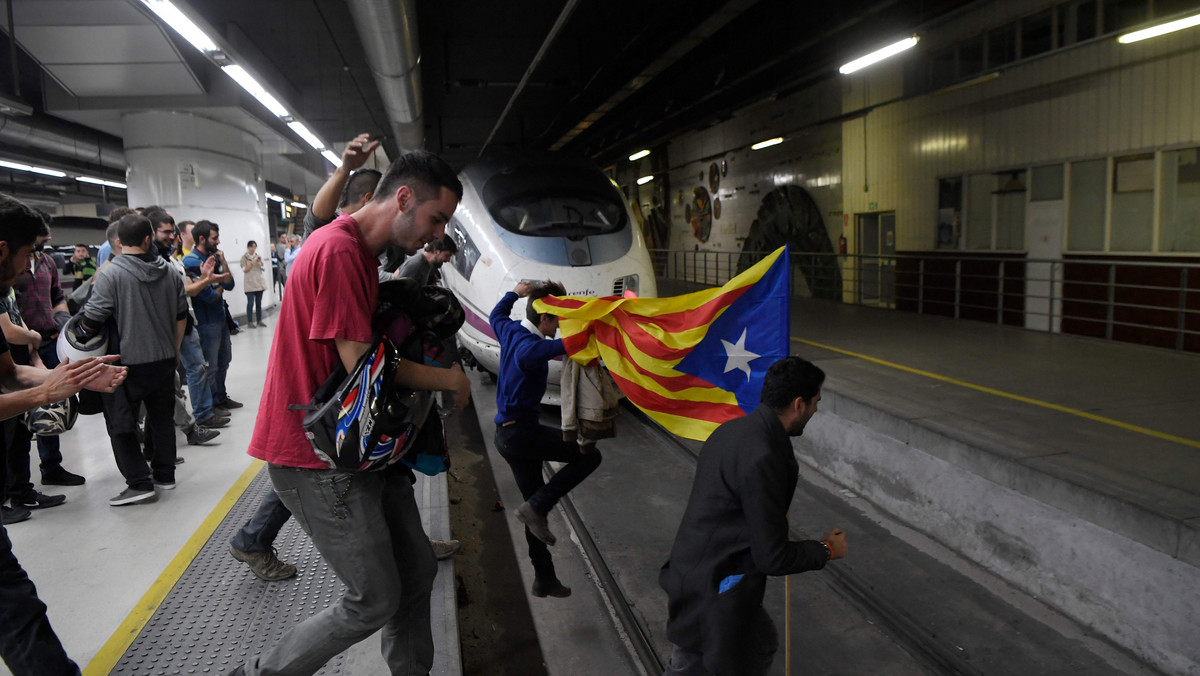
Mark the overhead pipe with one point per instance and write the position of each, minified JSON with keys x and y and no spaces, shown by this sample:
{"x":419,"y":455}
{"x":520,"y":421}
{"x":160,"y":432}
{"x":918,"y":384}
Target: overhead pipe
{"x":387,"y":30}
{"x":62,"y":140}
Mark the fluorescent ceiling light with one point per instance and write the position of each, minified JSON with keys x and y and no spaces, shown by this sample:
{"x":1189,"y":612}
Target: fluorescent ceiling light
{"x":638,"y":155}
{"x":36,"y":170}
{"x":100,"y":181}
{"x":299,"y":205}
{"x":309,"y":137}
{"x":879,"y":55}
{"x":767,"y":144}
{"x":275,"y":198}
{"x":1161,"y":29}
{"x":247,"y":81}
{"x":645,"y":179}
{"x":333,"y":159}
{"x":174,"y":18}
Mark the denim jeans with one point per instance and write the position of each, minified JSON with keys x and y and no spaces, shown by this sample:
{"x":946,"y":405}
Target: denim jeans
{"x":253,"y":300}
{"x":28,"y":644}
{"x":199,"y":387}
{"x":366,"y":526}
{"x":258,"y":535}
{"x":218,"y":352}
{"x":525,"y":446}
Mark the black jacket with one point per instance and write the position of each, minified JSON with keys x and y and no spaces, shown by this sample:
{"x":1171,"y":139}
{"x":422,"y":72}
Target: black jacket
{"x":735,"y":524}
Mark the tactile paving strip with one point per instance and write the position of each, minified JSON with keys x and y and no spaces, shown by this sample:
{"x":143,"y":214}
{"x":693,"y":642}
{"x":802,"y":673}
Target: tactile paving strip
{"x":219,"y":614}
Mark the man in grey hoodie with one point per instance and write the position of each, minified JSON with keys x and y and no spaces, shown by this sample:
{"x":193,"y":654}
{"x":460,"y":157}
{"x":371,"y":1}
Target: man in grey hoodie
{"x":145,"y":298}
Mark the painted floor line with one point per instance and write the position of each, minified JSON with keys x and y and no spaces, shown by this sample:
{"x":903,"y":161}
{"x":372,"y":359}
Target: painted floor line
{"x":114,"y":649}
{"x":1008,"y":395}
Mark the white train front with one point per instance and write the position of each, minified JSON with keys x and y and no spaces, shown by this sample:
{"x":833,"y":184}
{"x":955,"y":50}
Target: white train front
{"x":539,"y":217}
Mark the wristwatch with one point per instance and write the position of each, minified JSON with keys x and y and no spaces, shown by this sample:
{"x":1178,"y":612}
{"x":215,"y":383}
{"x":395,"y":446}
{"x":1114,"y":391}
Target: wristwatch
{"x":828,"y":551}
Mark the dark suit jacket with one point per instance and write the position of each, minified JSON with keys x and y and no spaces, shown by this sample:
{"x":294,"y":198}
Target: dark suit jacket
{"x":735,"y":524}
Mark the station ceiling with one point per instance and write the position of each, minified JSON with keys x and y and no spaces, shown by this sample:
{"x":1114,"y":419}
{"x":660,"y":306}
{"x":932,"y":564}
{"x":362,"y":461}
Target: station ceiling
{"x":601,"y":79}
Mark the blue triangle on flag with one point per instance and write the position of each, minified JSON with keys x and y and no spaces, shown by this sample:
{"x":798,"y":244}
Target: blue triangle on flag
{"x":749,"y":336}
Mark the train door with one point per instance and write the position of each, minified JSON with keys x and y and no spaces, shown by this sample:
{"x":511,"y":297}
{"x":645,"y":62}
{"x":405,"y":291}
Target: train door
{"x":876,"y":258}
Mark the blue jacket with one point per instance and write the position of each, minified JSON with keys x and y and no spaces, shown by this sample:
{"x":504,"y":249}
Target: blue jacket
{"x":209,"y":307}
{"x":524,"y":364}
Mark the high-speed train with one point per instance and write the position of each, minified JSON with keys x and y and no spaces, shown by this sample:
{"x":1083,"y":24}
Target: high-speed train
{"x":539,"y":217}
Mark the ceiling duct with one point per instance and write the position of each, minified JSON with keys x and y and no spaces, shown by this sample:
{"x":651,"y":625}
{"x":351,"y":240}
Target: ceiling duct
{"x":387,"y":30}
{"x":63,"y":140}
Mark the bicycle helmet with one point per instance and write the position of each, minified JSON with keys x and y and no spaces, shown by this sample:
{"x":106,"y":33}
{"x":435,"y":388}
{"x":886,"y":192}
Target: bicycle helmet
{"x":70,"y":346}
{"x":52,"y":419}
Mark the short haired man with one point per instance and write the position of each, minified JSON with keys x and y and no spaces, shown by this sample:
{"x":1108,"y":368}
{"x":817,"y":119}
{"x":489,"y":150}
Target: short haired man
{"x":422,"y":266}
{"x":365,"y":524}
{"x":186,"y":243}
{"x":734,"y":532}
{"x":209,"y":306}
{"x":144,"y":297}
{"x":81,"y":266}
{"x":28,"y":644}
{"x":348,"y":188}
{"x":526,"y":348}
{"x":44,"y":308}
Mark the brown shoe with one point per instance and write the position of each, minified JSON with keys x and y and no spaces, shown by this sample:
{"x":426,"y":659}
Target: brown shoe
{"x":265,"y":565}
{"x":444,"y":549}
{"x":536,"y":523}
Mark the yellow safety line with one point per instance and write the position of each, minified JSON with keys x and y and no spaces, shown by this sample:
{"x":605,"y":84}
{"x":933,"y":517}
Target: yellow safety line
{"x":114,"y":649}
{"x":1015,"y":397}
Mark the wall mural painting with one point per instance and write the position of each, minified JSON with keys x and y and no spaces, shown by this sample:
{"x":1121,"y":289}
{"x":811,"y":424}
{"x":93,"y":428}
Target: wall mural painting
{"x":699,"y":213}
{"x":788,"y":215}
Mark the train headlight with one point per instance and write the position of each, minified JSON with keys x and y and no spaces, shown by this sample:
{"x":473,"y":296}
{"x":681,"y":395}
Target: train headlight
{"x":626,"y":283}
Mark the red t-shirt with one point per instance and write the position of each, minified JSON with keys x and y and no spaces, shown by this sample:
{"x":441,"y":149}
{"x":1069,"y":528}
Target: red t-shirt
{"x":332,"y":290}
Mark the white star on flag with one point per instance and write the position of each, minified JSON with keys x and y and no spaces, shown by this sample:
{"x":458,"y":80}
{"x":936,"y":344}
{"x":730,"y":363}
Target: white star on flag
{"x":739,"y":357}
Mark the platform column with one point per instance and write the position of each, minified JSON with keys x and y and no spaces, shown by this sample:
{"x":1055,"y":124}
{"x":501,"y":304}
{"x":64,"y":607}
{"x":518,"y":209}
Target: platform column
{"x":201,"y":169}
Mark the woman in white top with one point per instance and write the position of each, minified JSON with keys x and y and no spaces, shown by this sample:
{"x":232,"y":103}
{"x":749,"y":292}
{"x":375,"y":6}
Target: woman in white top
{"x":253,"y":283}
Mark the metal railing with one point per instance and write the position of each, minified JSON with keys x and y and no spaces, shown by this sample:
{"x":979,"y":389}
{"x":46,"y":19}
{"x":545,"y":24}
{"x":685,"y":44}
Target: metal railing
{"x":1135,"y":301}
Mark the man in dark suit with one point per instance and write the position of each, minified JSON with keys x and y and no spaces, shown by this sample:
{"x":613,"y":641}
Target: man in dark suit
{"x":735,"y":533}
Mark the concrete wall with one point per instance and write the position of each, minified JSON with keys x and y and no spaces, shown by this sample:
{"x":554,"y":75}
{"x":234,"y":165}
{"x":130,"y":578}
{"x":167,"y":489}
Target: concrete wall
{"x":979,"y":504}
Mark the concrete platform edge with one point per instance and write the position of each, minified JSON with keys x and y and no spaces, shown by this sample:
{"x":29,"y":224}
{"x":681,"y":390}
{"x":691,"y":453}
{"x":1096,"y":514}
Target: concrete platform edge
{"x":1039,"y":532}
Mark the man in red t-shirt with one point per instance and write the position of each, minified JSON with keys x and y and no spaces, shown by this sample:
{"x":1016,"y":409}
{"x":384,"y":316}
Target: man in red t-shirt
{"x":365,"y":524}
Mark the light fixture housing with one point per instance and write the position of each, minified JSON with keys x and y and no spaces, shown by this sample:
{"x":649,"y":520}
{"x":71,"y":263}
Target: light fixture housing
{"x":767,"y":144}
{"x":176,"y":19}
{"x":100,"y":181}
{"x":32,"y":169}
{"x":252,"y":87}
{"x":299,"y":205}
{"x":1161,"y":29}
{"x":333,"y":159}
{"x":638,"y":155}
{"x":275,"y":198}
{"x":879,"y":55}
{"x":645,"y":179}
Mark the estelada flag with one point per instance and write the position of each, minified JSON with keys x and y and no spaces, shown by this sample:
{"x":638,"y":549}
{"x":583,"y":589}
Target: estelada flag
{"x":691,"y":362}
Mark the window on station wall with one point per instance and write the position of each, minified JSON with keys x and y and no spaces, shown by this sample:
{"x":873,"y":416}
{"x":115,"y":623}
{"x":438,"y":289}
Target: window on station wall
{"x":950,"y":204}
{"x":1179,"y":229}
{"x":1062,"y":21}
{"x":942,"y":63}
{"x":1133,"y":204}
{"x":1010,"y":210}
{"x":979,"y":211}
{"x":1086,"y":20}
{"x":1002,"y":45}
{"x":1122,"y":14}
{"x":970,"y":56}
{"x":1037,"y":35}
{"x":1046,"y":184}
{"x":1085,"y":226}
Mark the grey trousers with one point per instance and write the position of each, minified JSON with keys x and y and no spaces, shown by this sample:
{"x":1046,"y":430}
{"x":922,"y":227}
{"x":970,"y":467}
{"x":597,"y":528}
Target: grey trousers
{"x":367,"y":528}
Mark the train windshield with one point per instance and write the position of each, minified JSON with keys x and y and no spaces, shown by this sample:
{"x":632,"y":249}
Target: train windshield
{"x":558,"y":202}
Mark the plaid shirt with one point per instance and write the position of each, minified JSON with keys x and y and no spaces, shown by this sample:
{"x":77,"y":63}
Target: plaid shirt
{"x":38,"y":293}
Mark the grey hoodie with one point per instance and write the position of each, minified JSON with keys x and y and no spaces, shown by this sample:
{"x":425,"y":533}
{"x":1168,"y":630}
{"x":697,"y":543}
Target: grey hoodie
{"x":146,"y":298}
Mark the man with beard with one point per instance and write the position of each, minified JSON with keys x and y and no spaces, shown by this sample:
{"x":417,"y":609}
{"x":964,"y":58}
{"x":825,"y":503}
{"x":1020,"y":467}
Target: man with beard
{"x":28,"y":644}
{"x":735,"y":533}
{"x":365,"y":524}
{"x":422,"y":266}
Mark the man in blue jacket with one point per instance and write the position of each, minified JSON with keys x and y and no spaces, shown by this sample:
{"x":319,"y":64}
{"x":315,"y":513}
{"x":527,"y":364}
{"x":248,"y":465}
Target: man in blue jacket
{"x":209,"y":306}
{"x":526,"y":348}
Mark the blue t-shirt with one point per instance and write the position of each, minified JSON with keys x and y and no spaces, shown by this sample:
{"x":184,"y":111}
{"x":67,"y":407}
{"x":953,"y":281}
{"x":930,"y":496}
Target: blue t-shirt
{"x":524,"y":364}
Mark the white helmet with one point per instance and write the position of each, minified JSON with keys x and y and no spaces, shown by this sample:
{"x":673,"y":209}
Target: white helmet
{"x":52,"y":419}
{"x":70,"y":347}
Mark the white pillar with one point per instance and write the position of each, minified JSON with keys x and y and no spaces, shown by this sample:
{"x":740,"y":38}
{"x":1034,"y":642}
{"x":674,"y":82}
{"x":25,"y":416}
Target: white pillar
{"x":201,"y":169}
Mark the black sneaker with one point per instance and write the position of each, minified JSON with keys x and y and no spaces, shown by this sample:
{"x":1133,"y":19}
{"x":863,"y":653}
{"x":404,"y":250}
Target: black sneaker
{"x":218,"y":411}
{"x":544,"y":588}
{"x":61,"y":477}
{"x":213,"y":421}
{"x":536,"y":523}
{"x":227,"y":404}
{"x":132,"y":496}
{"x":36,"y":500}
{"x":11,"y":515}
{"x":199,"y":434}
